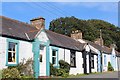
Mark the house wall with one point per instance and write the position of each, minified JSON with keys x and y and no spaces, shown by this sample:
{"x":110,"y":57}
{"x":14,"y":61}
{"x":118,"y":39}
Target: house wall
{"x":105,"y":61}
{"x":118,"y":63}
{"x":64,"y":54}
{"x":79,"y":63}
{"x":3,"y":44}
{"x":25,"y":51}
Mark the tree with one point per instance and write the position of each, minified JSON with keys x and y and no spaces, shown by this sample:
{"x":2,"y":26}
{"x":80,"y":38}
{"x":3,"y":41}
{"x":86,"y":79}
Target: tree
{"x":89,"y":28}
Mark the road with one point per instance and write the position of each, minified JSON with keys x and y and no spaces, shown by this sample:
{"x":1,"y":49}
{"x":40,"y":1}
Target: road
{"x":106,"y":75}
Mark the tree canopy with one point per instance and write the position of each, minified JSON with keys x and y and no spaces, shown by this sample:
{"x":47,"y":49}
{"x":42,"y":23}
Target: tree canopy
{"x":89,"y":28}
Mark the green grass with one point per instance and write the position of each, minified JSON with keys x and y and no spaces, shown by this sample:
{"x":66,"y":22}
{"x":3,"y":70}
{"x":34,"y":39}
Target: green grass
{"x":79,"y":75}
{"x":76,"y":76}
{"x":0,"y":74}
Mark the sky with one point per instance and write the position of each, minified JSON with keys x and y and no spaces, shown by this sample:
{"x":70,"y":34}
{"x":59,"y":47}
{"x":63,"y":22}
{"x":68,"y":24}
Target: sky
{"x":25,"y":11}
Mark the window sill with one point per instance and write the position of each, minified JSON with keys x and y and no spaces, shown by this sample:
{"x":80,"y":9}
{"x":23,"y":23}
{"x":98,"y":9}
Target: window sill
{"x":55,"y":66}
{"x":11,"y":64}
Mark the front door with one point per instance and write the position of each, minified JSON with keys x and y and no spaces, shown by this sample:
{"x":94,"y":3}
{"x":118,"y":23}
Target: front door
{"x":42,"y":61}
{"x":87,"y":60}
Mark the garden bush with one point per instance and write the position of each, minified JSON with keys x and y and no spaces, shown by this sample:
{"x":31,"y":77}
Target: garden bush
{"x":53,"y":70}
{"x":10,"y":73}
{"x":24,"y":68}
{"x":110,"y":68}
{"x":64,"y":65}
{"x":63,"y":70}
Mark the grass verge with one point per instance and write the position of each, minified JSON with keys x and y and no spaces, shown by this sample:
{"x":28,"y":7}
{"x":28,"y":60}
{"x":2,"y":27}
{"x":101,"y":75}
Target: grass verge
{"x":0,"y":74}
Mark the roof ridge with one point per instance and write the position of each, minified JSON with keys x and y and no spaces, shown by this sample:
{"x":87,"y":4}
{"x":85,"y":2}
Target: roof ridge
{"x":62,"y":35}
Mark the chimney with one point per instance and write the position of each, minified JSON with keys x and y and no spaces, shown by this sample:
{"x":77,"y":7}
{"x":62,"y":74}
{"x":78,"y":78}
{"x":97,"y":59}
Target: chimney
{"x":39,"y":23}
{"x":113,"y":46}
{"x":99,"y":41}
{"x":76,"y":34}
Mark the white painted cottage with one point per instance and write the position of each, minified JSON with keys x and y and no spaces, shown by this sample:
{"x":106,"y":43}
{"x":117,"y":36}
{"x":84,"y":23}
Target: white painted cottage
{"x":19,"y":41}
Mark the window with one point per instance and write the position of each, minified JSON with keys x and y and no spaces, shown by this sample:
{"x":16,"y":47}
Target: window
{"x":41,"y":58}
{"x":92,"y":61}
{"x":72,"y":59}
{"x":42,"y":47}
{"x":12,"y":52}
{"x":54,"y":57}
{"x":12,"y":56}
{"x":105,"y":62}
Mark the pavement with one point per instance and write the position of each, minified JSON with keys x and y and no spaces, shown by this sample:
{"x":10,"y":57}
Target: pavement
{"x":102,"y":75}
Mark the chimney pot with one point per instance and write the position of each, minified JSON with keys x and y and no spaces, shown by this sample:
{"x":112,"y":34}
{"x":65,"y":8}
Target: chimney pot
{"x":76,"y":34}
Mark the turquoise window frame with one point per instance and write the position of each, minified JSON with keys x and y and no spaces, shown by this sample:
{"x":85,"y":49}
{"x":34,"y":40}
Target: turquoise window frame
{"x":57,"y":58}
{"x":17,"y":52}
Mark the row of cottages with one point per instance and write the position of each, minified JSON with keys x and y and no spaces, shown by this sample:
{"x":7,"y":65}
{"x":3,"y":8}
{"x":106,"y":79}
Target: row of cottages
{"x":23,"y":41}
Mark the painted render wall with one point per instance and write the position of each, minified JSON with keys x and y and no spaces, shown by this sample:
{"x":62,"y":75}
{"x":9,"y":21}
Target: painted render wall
{"x":105,"y":66}
{"x":79,"y":63}
{"x":25,"y":50}
{"x":3,"y":44}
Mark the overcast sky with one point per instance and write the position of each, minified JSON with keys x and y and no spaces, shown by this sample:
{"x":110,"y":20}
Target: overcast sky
{"x":24,"y":11}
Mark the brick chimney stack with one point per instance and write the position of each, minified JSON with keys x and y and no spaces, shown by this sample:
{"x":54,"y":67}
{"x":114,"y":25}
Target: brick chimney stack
{"x":76,"y":34}
{"x":39,"y":23}
{"x":99,"y":41}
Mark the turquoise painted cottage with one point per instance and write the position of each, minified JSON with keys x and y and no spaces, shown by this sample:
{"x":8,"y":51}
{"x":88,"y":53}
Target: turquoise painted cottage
{"x":23,"y":41}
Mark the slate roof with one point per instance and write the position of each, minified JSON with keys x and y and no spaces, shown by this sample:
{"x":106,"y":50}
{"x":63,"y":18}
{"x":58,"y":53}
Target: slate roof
{"x":17,"y":29}
{"x":100,"y":48}
{"x":64,"y":41}
{"x":20,"y":30}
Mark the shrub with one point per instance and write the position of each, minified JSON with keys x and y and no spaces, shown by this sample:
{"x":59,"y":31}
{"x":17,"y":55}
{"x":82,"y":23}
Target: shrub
{"x":64,"y":65}
{"x":24,"y":68}
{"x":110,"y":68}
{"x":62,"y":72}
{"x":53,"y":70}
{"x":10,"y":73}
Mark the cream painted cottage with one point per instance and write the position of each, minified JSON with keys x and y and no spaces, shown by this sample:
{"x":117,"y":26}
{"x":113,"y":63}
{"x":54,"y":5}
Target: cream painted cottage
{"x":19,"y":40}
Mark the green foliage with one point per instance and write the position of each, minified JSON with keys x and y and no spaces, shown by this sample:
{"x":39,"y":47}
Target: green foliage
{"x":89,"y":28}
{"x":53,"y":70}
{"x":24,"y":68}
{"x":64,"y":65}
{"x":62,"y":71}
{"x":110,"y":68}
{"x":10,"y":73}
